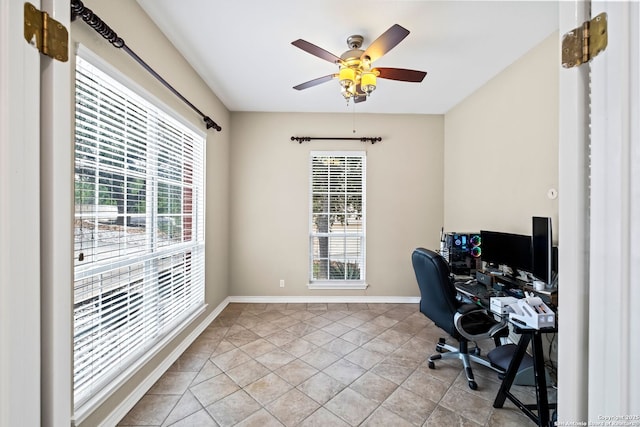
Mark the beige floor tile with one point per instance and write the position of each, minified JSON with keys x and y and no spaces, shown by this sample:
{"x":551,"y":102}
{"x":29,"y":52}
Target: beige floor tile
{"x":230,"y":359}
{"x":242,"y":337}
{"x":508,"y":417}
{"x":383,"y":417}
{"x":275,"y":359}
{"x":296,"y":372}
{"x":426,"y":386}
{"x":292,"y":407}
{"x":357,"y":337}
{"x":247,"y":372}
{"x":320,"y":358}
{"x":335,"y":314}
{"x":351,"y":321}
{"x":190,"y":361}
{"x":444,"y":417}
{"x":299,"y":347}
{"x":268,"y":388}
{"x":344,"y":371}
{"x":198,"y":419}
{"x":209,"y":370}
{"x":262,"y":418}
{"x":265,"y":329}
{"x":467,"y":404}
{"x":409,"y":406}
{"x":351,"y":406}
{"x":301,"y":328}
{"x":280,"y":338}
{"x":336,"y":329}
{"x":340,"y":347}
{"x":322,"y":418}
{"x":151,"y":410}
{"x":223,"y":347}
{"x":373,"y":387}
{"x":172,"y":382}
{"x":318,"y":322}
{"x":232,"y":409}
{"x":321,"y":387}
{"x":365,"y":358}
{"x":319,"y":337}
{"x":258,"y":347}
{"x":392,"y":372}
{"x":214,"y":389}
{"x":186,"y":406}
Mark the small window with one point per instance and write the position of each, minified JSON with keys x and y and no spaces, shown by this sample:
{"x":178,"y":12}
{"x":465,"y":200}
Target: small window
{"x":337,"y":220}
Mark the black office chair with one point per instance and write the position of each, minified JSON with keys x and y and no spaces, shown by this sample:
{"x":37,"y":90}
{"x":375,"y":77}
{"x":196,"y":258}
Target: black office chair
{"x":464,"y":322}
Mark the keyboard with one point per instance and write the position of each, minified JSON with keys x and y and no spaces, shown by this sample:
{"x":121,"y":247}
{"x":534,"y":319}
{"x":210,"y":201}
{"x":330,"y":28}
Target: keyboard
{"x":475,"y":289}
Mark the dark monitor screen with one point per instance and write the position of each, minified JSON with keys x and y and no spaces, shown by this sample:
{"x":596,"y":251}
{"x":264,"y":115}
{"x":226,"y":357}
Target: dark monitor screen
{"x":542,"y":249}
{"x":513,"y":250}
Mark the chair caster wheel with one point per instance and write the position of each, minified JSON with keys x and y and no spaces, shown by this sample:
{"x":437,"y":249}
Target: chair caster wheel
{"x":432,"y":365}
{"x":473,"y":385}
{"x":439,"y":349}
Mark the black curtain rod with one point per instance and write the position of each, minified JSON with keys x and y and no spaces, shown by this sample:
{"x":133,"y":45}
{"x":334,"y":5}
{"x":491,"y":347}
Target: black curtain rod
{"x":301,"y":139}
{"x":87,"y":15}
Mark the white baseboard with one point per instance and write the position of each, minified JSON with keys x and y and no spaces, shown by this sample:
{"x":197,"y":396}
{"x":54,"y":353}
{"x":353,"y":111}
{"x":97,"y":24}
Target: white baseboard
{"x":129,"y":402}
{"x":362,"y":299}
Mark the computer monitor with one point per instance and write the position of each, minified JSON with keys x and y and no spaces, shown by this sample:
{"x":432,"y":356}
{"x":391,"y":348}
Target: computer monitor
{"x":512,"y":250}
{"x":542,"y":249}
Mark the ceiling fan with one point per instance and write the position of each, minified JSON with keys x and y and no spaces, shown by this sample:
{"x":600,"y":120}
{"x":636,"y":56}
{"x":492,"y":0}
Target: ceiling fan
{"x":357,"y":77}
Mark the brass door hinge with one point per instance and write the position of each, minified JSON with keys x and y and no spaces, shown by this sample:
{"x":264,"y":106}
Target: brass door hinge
{"x":48,"y":35}
{"x":582,"y":44}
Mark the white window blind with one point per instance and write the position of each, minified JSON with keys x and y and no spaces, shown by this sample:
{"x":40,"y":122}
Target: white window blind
{"x":139,"y":227}
{"x":337,"y":218}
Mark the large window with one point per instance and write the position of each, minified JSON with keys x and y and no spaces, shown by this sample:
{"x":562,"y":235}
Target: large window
{"x":139,"y":228}
{"x":337,"y":219}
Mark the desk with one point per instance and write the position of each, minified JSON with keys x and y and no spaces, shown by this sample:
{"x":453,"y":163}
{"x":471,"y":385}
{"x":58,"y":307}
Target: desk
{"x":542,"y":405}
{"x":527,"y":335}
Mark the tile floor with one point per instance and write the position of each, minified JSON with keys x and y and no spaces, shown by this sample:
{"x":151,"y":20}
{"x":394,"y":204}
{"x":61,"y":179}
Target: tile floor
{"x":321,"y":365}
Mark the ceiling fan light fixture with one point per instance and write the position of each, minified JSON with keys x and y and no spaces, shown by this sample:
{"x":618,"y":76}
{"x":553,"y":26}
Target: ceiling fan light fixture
{"x":368,"y":82}
{"x":347,"y":77}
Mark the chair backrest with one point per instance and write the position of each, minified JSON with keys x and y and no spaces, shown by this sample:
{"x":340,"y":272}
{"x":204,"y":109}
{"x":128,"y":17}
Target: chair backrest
{"x":438,"y":295}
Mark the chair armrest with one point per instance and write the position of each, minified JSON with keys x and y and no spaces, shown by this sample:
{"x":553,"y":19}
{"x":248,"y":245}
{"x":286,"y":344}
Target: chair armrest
{"x":468,"y":308}
{"x":483,"y":326}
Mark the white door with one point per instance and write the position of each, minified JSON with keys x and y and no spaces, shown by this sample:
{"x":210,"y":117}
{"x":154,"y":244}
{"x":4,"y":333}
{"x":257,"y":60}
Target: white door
{"x":35,"y":334}
{"x":573,"y":257}
{"x":614,"y":291}
{"x":599,"y":215}
{"x":19,"y":222}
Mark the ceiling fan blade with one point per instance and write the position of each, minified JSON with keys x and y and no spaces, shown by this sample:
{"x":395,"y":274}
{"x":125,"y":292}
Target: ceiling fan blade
{"x":314,"y":82}
{"x":401,"y":74}
{"x":387,"y":41}
{"x":315,"y":50}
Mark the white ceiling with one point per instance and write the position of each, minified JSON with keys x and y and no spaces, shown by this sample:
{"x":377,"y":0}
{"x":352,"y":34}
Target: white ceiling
{"x":242,"y":48}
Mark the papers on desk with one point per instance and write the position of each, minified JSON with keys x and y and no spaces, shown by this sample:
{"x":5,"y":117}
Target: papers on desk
{"x":530,"y":311}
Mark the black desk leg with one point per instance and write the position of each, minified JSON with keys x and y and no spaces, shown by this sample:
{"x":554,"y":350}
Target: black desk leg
{"x":541,"y":380}
{"x":510,"y":375}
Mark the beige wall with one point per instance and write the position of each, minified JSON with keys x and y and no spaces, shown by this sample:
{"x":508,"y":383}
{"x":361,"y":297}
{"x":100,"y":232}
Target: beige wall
{"x":128,"y":20}
{"x":270,"y":198}
{"x":501,"y":148}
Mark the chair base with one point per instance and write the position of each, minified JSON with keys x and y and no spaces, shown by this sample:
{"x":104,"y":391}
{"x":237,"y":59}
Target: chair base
{"x":463,"y":354}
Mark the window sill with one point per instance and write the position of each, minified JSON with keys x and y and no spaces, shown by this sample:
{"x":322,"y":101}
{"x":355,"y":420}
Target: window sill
{"x":337,"y":285}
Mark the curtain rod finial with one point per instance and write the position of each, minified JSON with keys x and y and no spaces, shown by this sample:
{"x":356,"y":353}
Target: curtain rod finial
{"x":211,"y":124}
